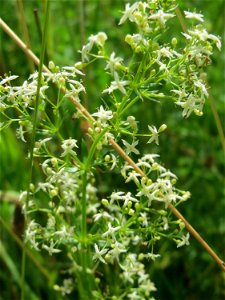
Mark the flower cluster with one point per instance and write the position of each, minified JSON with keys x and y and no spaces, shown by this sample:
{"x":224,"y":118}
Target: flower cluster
{"x":70,"y":209}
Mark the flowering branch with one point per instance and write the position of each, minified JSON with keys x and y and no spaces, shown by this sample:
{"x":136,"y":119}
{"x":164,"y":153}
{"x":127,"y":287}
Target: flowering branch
{"x":113,"y":144}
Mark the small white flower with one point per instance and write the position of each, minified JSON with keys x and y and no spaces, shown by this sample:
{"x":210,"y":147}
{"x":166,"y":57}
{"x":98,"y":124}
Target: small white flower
{"x":131,"y":147}
{"x":154,"y":135}
{"x":149,"y":157}
{"x":98,"y":39}
{"x":114,"y":161}
{"x":128,"y":198}
{"x":201,"y":87}
{"x":68,"y":146}
{"x":161,"y":17}
{"x":144,"y":219}
{"x":118,"y":248}
{"x":164,"y":52}
{"x":113,"y":63}
{"x":111,"y":230}
{"x":216,"y":40}
{"x":193,"y":16}
{"x":99,"y":253}
{"x":117,"y":85}
{"x":116,"y":196}
{"x":103,"y":215}
{"x":103,"y":115}
{"x":184,"y":240}
{"x":190,"y":104}
{"x":7,"y":79}
{"x":128,"y":13}
{"x":133,"y":176}
{"x":152,"y":256}
{"x":51,"y":248}
{"x":73,"y":69}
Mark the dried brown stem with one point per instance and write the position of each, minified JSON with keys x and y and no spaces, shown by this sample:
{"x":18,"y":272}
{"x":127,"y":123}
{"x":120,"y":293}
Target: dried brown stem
{"x":118,"y":149}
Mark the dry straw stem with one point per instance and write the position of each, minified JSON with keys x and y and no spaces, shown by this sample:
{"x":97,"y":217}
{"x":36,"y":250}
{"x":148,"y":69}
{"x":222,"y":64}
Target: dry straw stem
{"x":118,"y":149}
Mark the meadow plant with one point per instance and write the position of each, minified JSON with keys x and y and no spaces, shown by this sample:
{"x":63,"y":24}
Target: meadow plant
{"x":109,"y":237}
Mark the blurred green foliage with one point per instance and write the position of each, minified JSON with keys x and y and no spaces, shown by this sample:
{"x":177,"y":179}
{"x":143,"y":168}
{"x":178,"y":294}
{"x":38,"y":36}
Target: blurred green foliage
{"x":191,"y":148}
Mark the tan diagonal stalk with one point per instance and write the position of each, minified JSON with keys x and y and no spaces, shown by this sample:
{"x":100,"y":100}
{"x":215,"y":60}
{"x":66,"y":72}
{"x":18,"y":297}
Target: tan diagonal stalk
{"x":118,"y":149}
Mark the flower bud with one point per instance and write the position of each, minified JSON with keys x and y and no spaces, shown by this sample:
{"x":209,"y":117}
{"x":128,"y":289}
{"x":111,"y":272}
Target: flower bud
{"x":137,"y":206}
{"x":51,"y":65}
{"x":129,"y":204}
{"x":162,"y":128}
{"x":131,"y":212}
{"x":105,"y":202}
{"x":174,"y":42}
{"x":107,"y":158}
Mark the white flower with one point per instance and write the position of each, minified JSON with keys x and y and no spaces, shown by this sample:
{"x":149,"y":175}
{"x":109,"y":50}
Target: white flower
{"x":111,"y":230}
{"x":73,"y":69}
{"x":113,"y":63}
{"x":118,"y":248}
{"x":114,"y":161}
{"x":144,"y":219}
{"x":200,"y":33}
{"x":161,"y":17}
{"x":103,"y":115}
{"x":99,"y":253}
{"x":216,"y":40}
{"x":164,"y":52}
{"x":76,"y":88}
{"x":128,"y":198}
{"x":117,"y":85}
{"x":201,"y":87}
{"x":149,"y":157}
{"x":51,"y":248}
{"x":193,"y":16}
{"x":7,"y":79}
{"x":184,"y":240}
{"x":68,"y":146}
{"x":165,"y":221}
{"x":128,"y":13}
{"x":131,"y":147}
{"x":152,"y":256}
{"x":116,"y":196}
{"x":133,"y":176}
{"x":134,"y":295}
{"x":98,"y":39}
{"x":155,"y":133}
{"x":103,"y":215}
{"x":190,"y":104}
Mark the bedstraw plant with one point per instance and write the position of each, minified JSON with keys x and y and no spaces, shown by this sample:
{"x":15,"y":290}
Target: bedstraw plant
{"x":108,"y":238}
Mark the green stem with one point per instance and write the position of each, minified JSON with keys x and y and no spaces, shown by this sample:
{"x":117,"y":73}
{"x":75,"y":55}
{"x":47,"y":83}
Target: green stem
{"x":23,"y":267}
{"x":93,"y":148}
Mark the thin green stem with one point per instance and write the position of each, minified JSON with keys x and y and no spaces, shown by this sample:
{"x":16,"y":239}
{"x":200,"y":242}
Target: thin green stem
{"x":93,"y":148}
{"x":23,"y":267}
{"x":84,"y":217}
